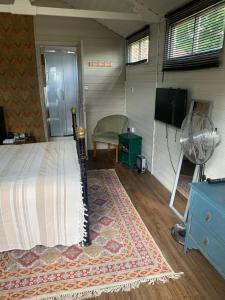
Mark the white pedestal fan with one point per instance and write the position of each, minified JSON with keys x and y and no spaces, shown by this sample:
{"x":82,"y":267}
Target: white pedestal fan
{"x":198,"y":141}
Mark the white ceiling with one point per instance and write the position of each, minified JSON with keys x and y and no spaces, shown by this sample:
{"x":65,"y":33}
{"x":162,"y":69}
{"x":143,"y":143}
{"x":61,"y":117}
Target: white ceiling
{"x":160,"y":7}
{"x":124,"y":28}
{"x":142,"y":8}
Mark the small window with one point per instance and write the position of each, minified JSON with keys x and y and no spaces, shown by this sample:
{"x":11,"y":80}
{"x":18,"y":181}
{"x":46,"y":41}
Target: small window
{"x":196,"y":41}
{"x":138,"y":47}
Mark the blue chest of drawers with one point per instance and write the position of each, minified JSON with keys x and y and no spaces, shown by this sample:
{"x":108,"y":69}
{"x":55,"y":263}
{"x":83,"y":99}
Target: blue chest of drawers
{"x":205,"y":228}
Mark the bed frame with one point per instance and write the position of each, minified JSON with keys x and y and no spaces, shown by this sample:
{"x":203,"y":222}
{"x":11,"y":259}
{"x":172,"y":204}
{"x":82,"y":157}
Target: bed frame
{"x":79,"y":137}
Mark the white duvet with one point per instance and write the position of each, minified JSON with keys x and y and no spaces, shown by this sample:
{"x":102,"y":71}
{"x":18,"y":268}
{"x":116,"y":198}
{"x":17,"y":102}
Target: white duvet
{"x":40,"y":195}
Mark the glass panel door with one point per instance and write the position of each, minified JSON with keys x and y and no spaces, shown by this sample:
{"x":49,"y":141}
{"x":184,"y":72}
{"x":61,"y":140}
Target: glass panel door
{"x":70,"y":72}
{"x":61,"y":89}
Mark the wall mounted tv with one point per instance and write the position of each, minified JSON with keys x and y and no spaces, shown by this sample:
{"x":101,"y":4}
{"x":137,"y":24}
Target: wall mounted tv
{"x":170,"y":106}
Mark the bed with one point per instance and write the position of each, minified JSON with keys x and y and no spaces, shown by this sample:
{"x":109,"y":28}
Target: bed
{"x":43,"y":193}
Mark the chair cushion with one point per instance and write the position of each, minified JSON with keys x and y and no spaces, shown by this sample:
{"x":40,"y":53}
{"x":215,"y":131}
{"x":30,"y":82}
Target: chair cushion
{"x":107,"y":137}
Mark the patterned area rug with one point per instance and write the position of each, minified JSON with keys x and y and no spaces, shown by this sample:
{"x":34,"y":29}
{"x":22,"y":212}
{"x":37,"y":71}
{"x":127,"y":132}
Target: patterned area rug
{"x":123,"y":254}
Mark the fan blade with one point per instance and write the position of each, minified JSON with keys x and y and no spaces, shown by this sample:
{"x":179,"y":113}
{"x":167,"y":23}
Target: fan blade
{"x":201,"y":153}
{"x":198,"y":137}
{"x":192,"y":151}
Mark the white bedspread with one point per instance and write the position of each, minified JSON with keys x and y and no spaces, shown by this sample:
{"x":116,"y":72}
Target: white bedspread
{"x":40,"y":195}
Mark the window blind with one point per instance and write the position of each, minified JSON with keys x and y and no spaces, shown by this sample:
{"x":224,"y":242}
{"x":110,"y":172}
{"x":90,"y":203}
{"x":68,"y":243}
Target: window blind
{"x":195,"y":36}
{"x":138,"y":46}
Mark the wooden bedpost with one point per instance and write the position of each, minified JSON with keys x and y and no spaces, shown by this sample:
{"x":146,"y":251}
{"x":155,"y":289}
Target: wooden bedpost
{"x":80,"y":135}
{"x":74,"y":120}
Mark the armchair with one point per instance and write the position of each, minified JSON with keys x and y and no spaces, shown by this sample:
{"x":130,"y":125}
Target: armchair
{"x":107,"y":131}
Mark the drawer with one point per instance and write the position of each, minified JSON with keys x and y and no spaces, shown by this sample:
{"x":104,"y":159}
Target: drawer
{"x":209,"y":245}
{"x":209,"y":216}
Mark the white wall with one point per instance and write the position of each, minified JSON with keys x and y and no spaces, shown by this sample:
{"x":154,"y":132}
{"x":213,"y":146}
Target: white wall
{"x":106,"y":89}
{"x":207,"y":84}
{"x":140,"y":97}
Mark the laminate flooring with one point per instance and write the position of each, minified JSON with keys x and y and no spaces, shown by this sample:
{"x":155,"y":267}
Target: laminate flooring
{"x":151,"y":199}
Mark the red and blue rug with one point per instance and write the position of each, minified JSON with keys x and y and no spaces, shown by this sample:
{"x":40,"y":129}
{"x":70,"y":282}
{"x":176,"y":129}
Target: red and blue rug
{"x":122,"y":255}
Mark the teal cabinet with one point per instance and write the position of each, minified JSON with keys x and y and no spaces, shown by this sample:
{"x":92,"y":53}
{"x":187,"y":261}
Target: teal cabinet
{"x":129,"y":147}
{"x":205,"y":229}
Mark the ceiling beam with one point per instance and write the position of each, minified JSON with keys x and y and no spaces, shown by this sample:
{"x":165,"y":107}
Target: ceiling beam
{"x":24,"y":7}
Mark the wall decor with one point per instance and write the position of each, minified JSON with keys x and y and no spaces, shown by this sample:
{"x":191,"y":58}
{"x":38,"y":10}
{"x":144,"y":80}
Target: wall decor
{"x":99,"y":64}
{"x":19,"y":91}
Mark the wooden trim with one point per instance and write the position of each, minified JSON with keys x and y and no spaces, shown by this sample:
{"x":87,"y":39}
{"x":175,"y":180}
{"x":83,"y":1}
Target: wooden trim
{"x":117,"y":150}
{"x":94,"y":148}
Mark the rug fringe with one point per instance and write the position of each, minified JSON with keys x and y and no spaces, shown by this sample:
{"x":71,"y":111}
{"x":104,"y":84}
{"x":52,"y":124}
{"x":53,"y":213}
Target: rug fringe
{"x":114,"y":288}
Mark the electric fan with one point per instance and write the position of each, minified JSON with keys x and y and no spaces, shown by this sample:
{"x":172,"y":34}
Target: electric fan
{"x":198,"y":140}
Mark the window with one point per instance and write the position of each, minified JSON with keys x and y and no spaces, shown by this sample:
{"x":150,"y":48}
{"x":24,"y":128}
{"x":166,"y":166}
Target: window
{"x":138,"y":51}
{"x":195,"y":41}
{"x":138,"y":47}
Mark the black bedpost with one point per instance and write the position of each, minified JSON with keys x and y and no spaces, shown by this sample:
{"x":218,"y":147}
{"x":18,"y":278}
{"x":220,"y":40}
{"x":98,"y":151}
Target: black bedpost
{"x":80,"y":135}
{"x":74,"y":120}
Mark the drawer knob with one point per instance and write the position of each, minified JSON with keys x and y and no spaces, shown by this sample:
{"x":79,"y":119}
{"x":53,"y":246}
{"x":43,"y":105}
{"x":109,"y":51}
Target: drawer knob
{"x":208,"y":217}
{"x":206,"y":241}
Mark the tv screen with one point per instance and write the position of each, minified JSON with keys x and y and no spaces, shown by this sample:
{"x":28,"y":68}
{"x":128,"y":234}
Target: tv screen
{"x":170,"y":106}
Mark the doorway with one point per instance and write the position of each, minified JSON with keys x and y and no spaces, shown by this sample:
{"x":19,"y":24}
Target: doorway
{"x":61,"y":88}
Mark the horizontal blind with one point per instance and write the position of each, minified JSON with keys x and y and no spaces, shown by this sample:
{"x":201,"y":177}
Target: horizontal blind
{"x":197,"y":40}
{"x":138,"y":46}
{"x":190,"y":9}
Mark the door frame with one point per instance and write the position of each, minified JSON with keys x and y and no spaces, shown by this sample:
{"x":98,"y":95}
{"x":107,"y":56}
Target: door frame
{"x":79,"y":46}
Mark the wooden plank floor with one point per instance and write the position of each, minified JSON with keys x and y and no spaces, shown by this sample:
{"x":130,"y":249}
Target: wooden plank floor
{"x":200,"y":280}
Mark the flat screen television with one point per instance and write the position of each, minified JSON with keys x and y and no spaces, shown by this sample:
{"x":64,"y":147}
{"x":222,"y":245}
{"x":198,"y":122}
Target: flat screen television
{"x":171,"y":106}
